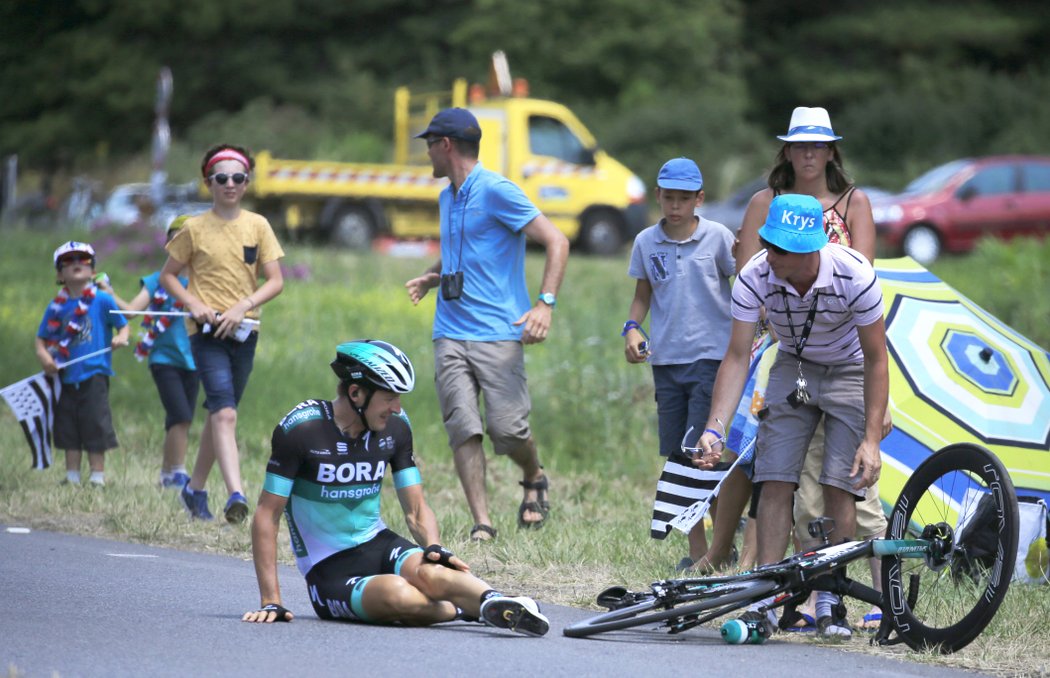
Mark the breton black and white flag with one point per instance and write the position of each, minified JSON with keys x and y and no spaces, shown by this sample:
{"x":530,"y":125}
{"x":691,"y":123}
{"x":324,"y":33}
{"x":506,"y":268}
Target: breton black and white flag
{"x":33,"y":401}
{"x":683,"y":488}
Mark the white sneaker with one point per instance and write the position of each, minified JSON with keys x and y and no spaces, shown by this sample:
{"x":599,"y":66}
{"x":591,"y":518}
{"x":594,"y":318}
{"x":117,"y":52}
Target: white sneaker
{"x":520,"y":615}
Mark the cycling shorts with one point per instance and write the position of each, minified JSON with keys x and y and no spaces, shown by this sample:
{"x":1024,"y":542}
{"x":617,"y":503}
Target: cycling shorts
{"x":337,"y":583}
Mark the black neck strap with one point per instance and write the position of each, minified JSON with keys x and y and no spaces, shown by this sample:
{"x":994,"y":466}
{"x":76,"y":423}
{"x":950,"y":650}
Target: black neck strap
{"x":799,"y":342}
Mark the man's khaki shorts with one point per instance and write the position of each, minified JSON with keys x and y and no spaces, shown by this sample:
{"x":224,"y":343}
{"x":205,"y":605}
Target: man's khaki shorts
{"x":836,"y":393}
{"x":465,"y":372}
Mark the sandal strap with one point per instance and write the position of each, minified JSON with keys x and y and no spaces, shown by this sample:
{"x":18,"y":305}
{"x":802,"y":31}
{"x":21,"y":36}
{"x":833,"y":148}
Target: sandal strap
{"x":541,"y":484}
{"x":487,"y":529}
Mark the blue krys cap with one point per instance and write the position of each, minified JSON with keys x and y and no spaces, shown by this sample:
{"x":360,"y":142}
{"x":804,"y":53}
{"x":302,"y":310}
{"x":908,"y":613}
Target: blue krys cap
{"x":680,"y":174}
{"x":795,"y":223}
{"x":455,"y":123}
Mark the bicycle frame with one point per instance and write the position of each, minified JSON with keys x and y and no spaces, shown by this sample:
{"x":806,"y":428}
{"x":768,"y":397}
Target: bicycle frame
{"x":959,"y":599}
{"x":822,"y":569}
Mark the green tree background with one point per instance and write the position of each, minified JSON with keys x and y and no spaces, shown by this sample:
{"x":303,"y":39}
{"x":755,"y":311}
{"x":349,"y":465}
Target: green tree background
{"x":909,"y":83}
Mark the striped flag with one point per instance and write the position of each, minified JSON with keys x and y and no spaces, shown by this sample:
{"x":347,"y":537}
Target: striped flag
{"x":682,"y":487}
{"x":33,"y":401}
{"x":684,"y":493}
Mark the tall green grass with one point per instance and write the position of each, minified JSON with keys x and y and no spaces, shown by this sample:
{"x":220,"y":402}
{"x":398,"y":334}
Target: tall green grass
{"x":593,"y":416}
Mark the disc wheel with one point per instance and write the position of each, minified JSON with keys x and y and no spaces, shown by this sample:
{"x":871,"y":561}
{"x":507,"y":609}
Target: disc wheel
{"x":935,"y":603}
{"x":651,"y":610}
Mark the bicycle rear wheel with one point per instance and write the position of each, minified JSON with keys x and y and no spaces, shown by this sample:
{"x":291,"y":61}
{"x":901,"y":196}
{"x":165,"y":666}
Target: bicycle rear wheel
{"x":949,"y":610}
{"x":652,"y":609}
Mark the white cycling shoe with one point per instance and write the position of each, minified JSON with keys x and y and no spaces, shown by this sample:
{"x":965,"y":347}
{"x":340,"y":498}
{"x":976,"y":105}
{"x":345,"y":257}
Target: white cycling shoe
{"x":521,"y":615}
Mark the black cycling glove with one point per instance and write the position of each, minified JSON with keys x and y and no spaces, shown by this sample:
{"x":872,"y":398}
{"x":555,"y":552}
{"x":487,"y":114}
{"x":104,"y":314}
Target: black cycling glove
{"x":282,"y":612}
{"x":444,"y":556}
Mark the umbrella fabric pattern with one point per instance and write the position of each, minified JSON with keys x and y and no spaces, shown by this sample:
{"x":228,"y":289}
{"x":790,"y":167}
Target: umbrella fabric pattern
{"x":958,"y":374}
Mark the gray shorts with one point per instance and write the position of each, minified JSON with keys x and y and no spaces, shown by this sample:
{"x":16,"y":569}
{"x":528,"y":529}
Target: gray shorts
{"x":464,"y":372}
{"x":784,"y":434}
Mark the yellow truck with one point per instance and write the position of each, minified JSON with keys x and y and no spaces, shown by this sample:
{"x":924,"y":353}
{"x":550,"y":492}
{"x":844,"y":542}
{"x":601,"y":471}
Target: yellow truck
{"x":540,"y":145}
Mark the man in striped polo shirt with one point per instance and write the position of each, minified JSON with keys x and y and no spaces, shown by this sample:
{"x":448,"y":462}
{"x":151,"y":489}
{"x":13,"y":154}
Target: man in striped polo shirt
{"x":825,"y":304}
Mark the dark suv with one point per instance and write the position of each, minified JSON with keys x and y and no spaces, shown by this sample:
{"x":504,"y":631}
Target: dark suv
{"x":949,"y":207}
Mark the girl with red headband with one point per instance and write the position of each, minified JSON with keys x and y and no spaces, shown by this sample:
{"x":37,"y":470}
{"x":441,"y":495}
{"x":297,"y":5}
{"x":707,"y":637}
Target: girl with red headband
{"x":225,"y":251}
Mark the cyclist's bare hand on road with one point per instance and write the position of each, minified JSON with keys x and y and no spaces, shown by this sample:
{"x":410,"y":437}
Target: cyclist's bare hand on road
{"x":268,"y":614}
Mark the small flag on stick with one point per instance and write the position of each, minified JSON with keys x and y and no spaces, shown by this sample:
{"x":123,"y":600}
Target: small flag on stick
{"x":33,"y":401}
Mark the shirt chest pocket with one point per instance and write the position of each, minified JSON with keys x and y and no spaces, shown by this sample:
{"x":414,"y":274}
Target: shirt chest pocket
{"x":251,"y":254}
{"x":700,"y":264}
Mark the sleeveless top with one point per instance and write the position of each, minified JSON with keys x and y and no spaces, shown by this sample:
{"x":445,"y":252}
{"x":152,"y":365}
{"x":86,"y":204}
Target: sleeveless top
{"x":834,"y":223}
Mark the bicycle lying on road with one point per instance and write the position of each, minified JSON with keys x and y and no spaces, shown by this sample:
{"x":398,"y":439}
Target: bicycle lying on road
{"x":935,"y":594}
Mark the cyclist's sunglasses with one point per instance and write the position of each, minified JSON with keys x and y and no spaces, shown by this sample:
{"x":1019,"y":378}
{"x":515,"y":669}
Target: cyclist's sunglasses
{"x":221,"y":178}
{"x":772,"y":248}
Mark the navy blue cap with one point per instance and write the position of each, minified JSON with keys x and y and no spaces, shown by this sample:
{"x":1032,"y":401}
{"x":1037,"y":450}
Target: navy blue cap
{"x":455,"y":123}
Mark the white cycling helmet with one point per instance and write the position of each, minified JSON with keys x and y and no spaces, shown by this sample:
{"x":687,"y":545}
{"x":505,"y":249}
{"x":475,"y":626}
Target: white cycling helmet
{"x":376,"y":364}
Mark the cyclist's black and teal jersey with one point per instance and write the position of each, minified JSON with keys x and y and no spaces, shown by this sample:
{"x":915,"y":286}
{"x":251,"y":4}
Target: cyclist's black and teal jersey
{"x":332,"y":481}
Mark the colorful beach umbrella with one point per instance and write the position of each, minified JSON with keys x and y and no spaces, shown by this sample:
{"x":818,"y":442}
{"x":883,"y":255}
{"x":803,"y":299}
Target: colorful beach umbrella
{"x":958,"y":374}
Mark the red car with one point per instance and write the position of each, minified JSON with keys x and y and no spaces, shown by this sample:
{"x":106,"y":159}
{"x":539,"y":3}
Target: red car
{"x":951,"y":206}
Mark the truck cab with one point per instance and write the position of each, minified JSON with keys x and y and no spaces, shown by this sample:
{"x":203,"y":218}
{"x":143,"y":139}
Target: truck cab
{"x":540,"y":145}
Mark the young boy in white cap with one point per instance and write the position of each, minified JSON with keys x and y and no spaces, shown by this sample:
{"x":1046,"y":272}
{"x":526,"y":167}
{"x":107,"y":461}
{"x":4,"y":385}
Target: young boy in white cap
{"x":682,"y":266}
{"x":78,"y":323}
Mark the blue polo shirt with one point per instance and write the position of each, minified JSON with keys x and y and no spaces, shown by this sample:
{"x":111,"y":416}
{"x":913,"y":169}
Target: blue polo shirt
{"x":481,"y":236}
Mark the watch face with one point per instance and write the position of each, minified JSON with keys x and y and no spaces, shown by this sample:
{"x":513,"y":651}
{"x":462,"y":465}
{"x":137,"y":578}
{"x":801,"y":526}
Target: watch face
{"x":547,"y":298}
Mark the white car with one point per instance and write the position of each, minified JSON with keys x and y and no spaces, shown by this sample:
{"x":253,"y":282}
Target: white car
{"x":122,"y":205}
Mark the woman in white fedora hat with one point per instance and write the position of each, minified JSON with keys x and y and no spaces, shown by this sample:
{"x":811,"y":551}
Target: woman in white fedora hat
{"x":809,"y":163}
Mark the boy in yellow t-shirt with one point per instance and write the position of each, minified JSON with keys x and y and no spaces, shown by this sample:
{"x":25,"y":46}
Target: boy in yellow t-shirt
{"x":225,"y":251}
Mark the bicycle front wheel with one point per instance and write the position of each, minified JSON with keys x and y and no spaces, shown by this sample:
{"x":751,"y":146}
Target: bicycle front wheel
{"x":653,"y":610}
{"x":950,"y":606}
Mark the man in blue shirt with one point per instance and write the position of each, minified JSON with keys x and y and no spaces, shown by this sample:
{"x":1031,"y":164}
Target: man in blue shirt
{"x":484,"y":314}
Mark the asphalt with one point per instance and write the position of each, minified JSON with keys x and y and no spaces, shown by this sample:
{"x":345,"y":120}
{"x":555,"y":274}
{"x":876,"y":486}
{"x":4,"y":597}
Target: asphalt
{"x":80,"y":606}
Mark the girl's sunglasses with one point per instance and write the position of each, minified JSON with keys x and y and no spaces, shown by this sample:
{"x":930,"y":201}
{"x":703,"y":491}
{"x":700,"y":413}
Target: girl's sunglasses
{"x":221,"y":178}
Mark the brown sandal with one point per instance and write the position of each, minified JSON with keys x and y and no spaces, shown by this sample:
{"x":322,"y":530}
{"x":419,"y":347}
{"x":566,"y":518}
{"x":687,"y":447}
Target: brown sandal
{"x":541,"y":505}
{"x":487,"y":529}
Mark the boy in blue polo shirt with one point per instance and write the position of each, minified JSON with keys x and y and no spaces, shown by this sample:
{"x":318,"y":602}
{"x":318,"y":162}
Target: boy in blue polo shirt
{"x":682,"y":266}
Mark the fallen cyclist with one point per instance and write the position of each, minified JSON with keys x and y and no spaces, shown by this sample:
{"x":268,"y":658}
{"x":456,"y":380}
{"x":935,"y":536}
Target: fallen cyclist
{"x":326,"y":468}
